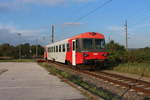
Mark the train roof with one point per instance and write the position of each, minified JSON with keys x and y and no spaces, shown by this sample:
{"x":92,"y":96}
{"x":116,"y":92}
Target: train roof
{"x":81,"y":35}
{"x":88,"y":35}
{"x":58,"y":42}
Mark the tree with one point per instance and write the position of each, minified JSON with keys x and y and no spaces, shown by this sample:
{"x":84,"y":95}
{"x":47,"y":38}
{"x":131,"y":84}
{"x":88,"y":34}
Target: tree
{"x":116,"y":51}
{"x":27,"y":50}
{"x":7,"y":50}
{"x":113,"y":47}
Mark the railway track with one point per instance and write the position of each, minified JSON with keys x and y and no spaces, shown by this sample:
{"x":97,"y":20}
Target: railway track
{"x":130,"y":83}
{"x":122,"y":81}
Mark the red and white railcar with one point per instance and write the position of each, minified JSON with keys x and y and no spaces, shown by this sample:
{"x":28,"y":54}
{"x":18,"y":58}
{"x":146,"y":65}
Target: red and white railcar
{"x":83,"y":49}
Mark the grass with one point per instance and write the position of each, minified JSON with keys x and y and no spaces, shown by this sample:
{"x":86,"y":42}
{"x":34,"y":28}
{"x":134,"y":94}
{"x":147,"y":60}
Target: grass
{"x":79,"y":81}
{"x":134,"y":68}
{"x":18,"y":60}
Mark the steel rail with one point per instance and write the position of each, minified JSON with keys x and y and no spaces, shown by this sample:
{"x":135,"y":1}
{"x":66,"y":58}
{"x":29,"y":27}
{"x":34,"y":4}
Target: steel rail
{"x":145,"y":83}
{"x":123,"y":83}
{"x":127,"y":82}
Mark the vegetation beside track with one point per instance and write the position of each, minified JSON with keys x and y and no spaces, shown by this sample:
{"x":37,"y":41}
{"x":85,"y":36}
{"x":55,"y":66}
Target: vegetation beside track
{"x":28,"y":51}
{"x":142,"y":69}
{"x":18,"y":60}
{"x":134,"y":61}
{"x":79,"y":81}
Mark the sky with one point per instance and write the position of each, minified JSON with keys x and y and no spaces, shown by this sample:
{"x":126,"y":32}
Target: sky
{"x":33,"y":19}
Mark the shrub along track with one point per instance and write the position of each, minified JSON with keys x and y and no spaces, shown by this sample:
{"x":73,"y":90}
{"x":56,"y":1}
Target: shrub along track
{"x":137,"y":85}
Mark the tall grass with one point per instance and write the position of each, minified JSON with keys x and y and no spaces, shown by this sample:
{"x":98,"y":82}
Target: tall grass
{"x":134,"y":68}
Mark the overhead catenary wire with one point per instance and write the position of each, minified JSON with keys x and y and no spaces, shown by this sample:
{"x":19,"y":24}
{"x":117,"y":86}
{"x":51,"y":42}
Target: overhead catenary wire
{"x":87,"y":5}
{"x":92,"y":11}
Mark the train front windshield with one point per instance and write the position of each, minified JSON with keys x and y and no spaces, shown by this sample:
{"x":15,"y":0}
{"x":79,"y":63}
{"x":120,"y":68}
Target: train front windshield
{"x":92,"y":45}
{"x":99,"y":43}
{"x":87,"y":43}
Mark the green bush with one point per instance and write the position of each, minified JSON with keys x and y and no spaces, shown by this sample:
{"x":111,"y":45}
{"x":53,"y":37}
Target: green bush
{"x":118,"y":54}
{"x":138,"y":55}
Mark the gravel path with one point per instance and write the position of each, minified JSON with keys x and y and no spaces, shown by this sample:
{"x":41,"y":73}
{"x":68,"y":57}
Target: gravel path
{"x":29,"y":81}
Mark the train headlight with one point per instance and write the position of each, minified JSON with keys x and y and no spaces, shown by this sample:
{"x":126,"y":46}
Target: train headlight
{"x":105,"y":55}
{"x":85,"y":55}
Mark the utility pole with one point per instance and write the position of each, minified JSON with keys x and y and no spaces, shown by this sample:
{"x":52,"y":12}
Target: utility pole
{"x":53,"y":33}
{"x":19,"y":35}
{"x":36,"y":47}
{"x":126,"y":33}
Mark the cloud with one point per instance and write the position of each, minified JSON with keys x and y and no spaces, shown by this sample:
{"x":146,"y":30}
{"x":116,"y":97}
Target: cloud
{"x":53,"y":2}
{"x":45,"y":2}
{"x":5,"y":7}
{"x":17,"y":5}
{"x":8,"y":34}
{"x":72,"y":23}
{"x":25,"y":32}
{"x":115,"y":28}
{"x":7,"y":37}
{"x":13,"y":5}
{"x":20,"y":3}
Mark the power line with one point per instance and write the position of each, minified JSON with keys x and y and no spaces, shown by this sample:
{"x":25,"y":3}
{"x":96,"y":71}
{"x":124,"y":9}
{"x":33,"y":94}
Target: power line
{"x":86,"y":5}
{"x":92,"y":11}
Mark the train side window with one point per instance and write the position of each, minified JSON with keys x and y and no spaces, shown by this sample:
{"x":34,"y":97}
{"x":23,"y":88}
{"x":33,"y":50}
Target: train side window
{"x":59,"y":48}
{"x":49,"y":49}
{"x":56,"y":48}
{"x":68,"y":48}
{"x":63,"y":47}
{"x":52,"y":49}
{"x":77,"y":45}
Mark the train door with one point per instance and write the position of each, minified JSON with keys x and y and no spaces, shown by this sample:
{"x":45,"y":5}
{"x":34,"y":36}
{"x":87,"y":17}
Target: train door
{"x":74,"y":52}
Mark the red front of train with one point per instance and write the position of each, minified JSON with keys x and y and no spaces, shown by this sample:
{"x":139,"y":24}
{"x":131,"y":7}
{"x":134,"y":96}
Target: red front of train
{"x":87,"y":49}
